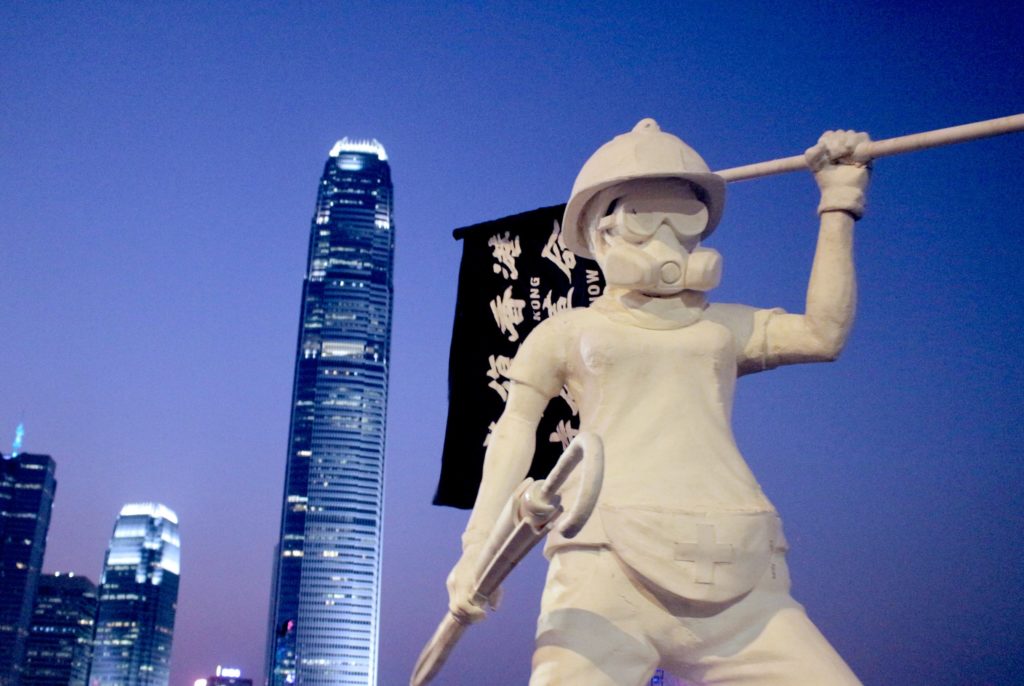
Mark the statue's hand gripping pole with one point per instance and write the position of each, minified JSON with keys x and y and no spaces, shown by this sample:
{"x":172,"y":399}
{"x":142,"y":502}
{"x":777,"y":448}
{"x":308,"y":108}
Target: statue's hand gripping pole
{"x":533,"y":509}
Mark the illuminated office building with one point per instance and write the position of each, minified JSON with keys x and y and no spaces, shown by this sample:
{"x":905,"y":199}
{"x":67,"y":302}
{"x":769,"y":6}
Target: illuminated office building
{"x":59,"y":646}
{"x":224,"y":676}
{"x":325,"y":600}
{"x":137,"y":599}
{"x":27,"y":486}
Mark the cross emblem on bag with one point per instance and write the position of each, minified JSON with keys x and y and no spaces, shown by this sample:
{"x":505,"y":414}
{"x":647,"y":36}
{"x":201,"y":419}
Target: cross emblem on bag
{"x":705,"y":554}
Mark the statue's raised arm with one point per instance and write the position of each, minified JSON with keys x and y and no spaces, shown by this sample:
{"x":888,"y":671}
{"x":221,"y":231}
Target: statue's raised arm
{"x":820,"y":333}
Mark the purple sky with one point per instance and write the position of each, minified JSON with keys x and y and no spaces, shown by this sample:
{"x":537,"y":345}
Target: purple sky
{"x":158,"y":170}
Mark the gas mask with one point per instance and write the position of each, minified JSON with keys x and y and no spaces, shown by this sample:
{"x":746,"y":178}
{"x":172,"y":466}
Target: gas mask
{"x":648,"y":240}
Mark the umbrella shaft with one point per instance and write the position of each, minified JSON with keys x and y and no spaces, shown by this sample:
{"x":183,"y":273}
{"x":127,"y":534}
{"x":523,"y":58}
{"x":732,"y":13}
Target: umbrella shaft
{"x":888,"y":146}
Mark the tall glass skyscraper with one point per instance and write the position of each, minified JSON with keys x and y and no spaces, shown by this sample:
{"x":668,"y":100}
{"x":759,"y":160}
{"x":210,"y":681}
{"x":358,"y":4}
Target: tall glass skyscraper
{"x":27,"y":487}
{"x":138,"y":599}
{"x":325,"y":601}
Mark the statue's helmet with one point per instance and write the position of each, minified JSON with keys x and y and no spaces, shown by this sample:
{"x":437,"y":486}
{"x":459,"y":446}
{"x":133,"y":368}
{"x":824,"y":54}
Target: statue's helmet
{"x":646,"y":152}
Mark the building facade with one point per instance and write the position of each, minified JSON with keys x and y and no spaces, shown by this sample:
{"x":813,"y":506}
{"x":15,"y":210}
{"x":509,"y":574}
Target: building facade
{"x":224,"y":676}
{"x":138,"y":599}
{"x":27,"y":487}
{"x":325,"y":601}
{"x":59,"y":647}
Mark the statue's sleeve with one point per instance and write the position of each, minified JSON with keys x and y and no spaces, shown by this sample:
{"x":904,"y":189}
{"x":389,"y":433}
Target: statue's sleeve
{"x":757,"y":355}
{"x":541,"y":360}
{"x":749,"y":328}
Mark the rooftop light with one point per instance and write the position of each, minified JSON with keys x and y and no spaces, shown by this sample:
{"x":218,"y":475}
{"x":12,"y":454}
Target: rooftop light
{"x":366,"y":145}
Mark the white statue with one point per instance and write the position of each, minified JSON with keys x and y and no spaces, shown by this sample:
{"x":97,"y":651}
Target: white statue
{"x":682,"y":565}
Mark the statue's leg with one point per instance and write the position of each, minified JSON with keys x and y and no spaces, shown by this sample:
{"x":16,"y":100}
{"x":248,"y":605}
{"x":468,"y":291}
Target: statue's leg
{"x":766,"y":639}
{"x":789,"y":651}
{"x":589,"y":633}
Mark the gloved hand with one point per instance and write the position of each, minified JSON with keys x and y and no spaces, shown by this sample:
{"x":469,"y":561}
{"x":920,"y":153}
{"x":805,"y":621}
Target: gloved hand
{"x":841,"y":169}
{"x":462,"y":580}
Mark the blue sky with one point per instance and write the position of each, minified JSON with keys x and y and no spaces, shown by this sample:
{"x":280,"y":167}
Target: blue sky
{"x":158,"y":169}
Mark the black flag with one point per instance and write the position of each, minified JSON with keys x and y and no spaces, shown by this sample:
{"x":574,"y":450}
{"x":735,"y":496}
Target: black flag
{"x":515,"y":273}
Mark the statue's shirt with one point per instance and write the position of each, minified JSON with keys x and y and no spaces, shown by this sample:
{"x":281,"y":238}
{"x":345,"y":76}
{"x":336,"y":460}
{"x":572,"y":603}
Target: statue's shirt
{"x":659,"y":398}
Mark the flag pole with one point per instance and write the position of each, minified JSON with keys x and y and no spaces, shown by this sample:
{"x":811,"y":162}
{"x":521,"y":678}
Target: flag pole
{"x":888,"y":146}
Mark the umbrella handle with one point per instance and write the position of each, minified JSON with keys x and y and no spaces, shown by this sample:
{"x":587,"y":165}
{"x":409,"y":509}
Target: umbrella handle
{"x":570,"y":523}
{"x":540,"y":502}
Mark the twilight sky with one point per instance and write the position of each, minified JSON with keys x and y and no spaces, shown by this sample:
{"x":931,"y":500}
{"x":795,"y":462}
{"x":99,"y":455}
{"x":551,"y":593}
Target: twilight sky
{"x":158,"y":170}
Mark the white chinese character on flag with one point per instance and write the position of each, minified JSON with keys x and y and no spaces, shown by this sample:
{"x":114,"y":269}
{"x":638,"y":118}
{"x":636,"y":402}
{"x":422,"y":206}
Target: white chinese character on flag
{"x":508,"y":313}
{"x":499,"y":365}
{"x":564,"y":433}
{"x":556,"y":251}
{"x":505,"y":250}
{"x":562,"y":304}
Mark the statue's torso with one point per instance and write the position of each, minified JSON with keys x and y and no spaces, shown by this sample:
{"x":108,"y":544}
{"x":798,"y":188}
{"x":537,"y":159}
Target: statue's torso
{"x":661,"y":401}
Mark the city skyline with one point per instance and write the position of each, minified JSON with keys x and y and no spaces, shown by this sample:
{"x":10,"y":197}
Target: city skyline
{"x":159,"y":169}
{"x":325,"y":597}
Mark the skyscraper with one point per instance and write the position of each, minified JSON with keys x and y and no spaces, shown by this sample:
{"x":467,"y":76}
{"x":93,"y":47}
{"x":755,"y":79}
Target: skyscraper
{"x":138,"y":599}
{"x":326,"y":594}
{"x":27,"y":486}
{"x":59,"y":646}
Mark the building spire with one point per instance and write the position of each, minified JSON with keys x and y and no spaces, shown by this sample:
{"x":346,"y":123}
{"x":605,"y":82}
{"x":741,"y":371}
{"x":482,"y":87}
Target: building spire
{"x":19,"y":438}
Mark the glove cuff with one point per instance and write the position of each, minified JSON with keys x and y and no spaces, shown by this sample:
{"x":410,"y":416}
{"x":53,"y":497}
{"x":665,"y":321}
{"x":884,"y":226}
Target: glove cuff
{"x":846,"y":198}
